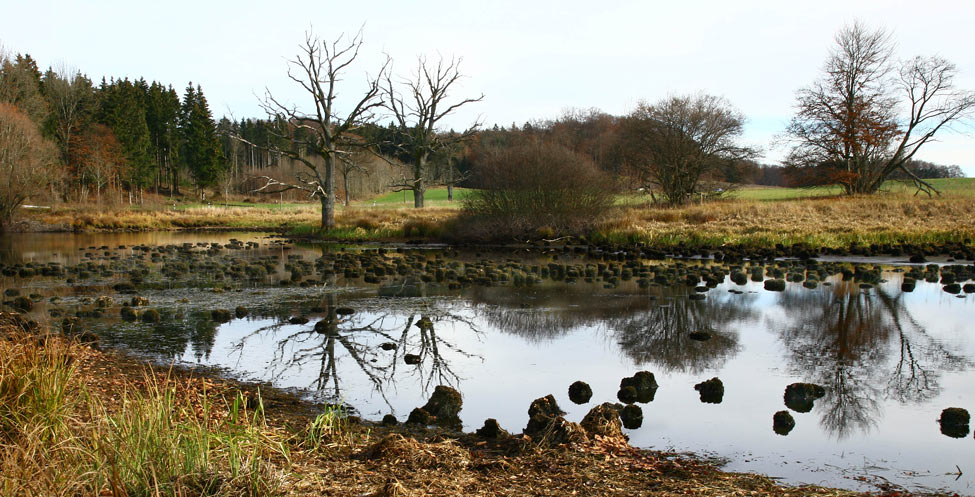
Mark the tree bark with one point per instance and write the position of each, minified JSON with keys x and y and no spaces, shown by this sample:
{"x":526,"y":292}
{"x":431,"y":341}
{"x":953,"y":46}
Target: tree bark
{"x":419,"y":189}
{"x":328,"y":213}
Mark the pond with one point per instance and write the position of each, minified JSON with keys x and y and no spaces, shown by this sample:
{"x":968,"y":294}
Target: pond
{"x":376,"y":329}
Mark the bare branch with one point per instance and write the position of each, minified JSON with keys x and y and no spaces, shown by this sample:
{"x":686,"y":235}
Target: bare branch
{"x":418,"y":114}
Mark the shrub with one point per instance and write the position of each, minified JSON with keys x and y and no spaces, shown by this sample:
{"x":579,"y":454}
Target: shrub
{"x":537,"y":186}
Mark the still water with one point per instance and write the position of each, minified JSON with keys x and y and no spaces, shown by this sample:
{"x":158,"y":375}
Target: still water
{"x":889,"y":360}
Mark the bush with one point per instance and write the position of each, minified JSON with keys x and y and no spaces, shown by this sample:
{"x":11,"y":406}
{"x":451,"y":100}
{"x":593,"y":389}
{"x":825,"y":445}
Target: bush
{"x":537,"y":187}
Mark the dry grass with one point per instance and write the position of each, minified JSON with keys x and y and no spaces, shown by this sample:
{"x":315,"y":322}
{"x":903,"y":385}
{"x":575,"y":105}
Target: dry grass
{"x":823,"y":222}
{"x":353,"y":223}
{"x":162,"y":219}
{"x":827,"y":222}
{"x":61,"y":434}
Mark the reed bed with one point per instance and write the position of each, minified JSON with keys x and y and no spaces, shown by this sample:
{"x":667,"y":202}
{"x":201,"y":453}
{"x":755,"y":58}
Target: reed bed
{"x":825,"y":222}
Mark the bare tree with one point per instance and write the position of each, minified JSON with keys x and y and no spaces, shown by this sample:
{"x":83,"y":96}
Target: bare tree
{"x":352,"y":163}
{"x":318,"y":68}
{"x":866,"y":118}
{"x":681,"y":139}
{"x":69,"y":96}
{"x":418,"y":114}
{"x":26,"y":160}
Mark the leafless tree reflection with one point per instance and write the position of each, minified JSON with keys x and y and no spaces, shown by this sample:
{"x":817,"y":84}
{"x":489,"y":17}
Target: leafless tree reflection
{"x":660,"y":335}
{"x":376,"y":343}
{"x":864,"y":347}
{"x":653,"y":328}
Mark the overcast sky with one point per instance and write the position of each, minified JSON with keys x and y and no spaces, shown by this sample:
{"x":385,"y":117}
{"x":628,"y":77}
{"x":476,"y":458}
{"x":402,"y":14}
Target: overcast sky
{"x":531,"y":60}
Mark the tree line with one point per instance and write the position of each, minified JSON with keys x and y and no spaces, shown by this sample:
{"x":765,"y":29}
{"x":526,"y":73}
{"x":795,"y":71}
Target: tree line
{"x":121,"y":135}
{"x":860,"y":123}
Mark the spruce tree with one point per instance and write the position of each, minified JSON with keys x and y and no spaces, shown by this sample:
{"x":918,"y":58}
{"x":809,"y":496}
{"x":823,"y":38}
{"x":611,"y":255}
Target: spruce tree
{"x":121,"y":109}
{"x":162,"y":117}
{"x":200,"y":148}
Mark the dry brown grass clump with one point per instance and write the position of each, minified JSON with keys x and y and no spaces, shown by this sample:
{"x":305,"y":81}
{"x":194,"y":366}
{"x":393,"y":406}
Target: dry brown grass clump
{"x":396,"y":450}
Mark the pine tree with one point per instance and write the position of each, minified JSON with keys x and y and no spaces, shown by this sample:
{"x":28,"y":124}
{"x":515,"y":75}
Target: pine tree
{"x":200,"y":147}
{"x":121,"y":109}
{"x":162,"y":117}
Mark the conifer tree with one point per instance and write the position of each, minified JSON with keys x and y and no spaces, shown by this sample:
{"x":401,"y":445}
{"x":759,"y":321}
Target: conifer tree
{"x":200,"y":147}
{"x":121,"y":109}
{"x":162,"y":117}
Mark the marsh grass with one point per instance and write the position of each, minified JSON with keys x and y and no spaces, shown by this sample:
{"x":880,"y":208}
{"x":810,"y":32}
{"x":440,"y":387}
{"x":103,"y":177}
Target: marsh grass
{"x":329,"y":426}
{"x":155,"y":440}
{"x":37,"y":393}
{"x":822,"y":222}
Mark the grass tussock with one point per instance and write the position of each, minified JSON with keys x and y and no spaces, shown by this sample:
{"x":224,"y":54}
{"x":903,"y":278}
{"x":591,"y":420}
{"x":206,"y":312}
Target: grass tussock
{"x":58,"y":436}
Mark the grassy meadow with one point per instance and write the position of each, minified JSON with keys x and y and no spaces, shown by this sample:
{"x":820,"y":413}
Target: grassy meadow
{"x":751,"y":216}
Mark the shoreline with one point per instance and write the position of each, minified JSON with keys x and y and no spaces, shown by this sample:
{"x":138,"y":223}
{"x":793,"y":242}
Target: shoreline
{"x":622,"y":469}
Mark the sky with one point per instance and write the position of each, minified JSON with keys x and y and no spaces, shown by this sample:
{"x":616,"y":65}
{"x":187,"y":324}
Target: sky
{"x":532,"y":60}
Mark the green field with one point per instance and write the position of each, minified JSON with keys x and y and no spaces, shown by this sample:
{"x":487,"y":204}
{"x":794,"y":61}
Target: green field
{"x":950,"y":186}
{"x":253,"y":205}
{"x":435,"y":197}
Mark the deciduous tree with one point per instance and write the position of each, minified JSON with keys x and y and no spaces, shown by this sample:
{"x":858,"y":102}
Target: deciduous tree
{"x":321,"y":136}
{"x":418,"y":110}
{"x":867,"y":116}
{"x":26,"y":160}
{"x":677,"y":141}
{"x":71,"y":99}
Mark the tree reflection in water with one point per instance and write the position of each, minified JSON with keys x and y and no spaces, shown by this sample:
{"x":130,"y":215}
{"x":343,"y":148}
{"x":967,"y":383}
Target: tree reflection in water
{"x":359,"y":337}
{"x":660,"y":335}
{"x":864,"y":347}
{"x":650,"y":329}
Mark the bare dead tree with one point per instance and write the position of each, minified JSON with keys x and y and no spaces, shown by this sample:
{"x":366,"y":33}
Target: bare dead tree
{"x":866,"y":118}
{"x":418,"y":113}
{"x":69,"y":94}
{"x":318,"y":69}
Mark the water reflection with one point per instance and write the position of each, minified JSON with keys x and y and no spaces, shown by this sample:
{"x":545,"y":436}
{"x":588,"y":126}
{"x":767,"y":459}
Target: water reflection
{"x":864,"y":347}
{"x":661,"y":334}
{"x":653,"y":328}
{"x":376,"y":342}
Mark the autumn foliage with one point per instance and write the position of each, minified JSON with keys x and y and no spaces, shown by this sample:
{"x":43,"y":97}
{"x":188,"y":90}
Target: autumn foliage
{"x":26,"y":159}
